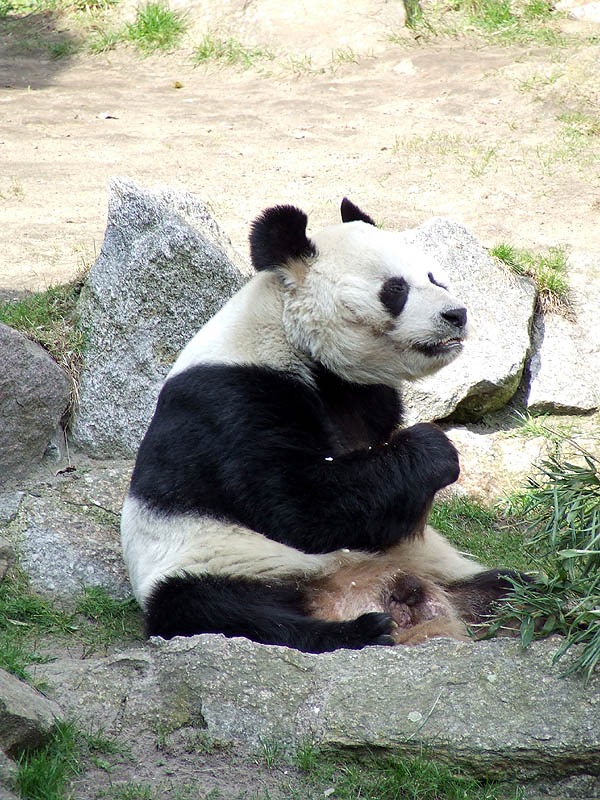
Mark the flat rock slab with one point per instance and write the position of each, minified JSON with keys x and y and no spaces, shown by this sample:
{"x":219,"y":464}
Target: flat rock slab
{"x":488,"y":706}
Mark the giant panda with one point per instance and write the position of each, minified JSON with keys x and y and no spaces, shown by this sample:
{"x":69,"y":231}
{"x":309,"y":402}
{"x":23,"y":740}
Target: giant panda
{"x":275,"y":495}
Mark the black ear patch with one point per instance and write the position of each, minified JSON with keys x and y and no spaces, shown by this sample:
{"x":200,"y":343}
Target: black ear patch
{"x":279,"y":235}
{"x":352,"y":213}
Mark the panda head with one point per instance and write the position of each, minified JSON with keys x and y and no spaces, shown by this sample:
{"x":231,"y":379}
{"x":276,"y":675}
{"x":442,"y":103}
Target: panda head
{"x":357,"y":299}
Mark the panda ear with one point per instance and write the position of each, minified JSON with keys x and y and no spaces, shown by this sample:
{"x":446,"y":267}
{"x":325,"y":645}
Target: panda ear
{"x":352,"y":213}
{"x":277,"y":236}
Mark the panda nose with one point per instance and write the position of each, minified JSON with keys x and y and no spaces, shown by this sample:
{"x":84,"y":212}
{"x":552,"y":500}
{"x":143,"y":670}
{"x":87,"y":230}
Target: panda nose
{"x":456,"y":316}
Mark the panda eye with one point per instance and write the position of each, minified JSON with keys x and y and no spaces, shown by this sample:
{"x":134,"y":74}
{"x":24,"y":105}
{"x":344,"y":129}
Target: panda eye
{"x":436,"y":283}
{"x":394,"y":294}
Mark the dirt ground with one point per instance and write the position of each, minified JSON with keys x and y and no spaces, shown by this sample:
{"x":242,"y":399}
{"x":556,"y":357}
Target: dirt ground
{"x":496,"y":137}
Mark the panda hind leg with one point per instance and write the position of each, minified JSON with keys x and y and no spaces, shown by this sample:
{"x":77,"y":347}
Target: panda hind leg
{"x":267,"y":613}
{"x":476,"y":598}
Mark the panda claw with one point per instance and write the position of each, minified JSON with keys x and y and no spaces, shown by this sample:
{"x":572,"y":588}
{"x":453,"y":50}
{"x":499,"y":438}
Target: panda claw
{"x":375,"y":628}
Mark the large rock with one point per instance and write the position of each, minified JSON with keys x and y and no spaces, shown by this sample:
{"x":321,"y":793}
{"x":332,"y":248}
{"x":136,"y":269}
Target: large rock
{"x":501,"y":308}
{"x":164,"y":269}
{"x":26,"y":717}
{"x":560,"y":375}
{"x":34,"y":394}
{"x":489,"y":707}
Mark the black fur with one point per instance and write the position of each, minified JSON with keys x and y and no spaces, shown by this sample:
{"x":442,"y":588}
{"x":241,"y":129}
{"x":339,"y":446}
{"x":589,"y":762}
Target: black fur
{"x":477,"y":597}
{"x":267,"y":613}
{"x":255,"y":446}
{"x":352,"y":213}
{"x":279,"y":235}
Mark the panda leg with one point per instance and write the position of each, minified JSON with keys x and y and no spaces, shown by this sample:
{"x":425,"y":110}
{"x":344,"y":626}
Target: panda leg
{"x":475,"y":598}
{"x":267,"y":613}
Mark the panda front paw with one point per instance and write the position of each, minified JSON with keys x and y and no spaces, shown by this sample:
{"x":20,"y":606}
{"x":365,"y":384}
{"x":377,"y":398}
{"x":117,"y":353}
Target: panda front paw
{"x":374,"y":628}
{"x":433,"y":455}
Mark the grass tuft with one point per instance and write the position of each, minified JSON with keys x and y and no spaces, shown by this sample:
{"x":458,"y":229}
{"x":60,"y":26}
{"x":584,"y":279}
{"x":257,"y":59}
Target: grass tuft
{"x":49,"y":318}
{"x":549,"y":273}
{"x":155,"y":27}
{"x":393,"y":777}
{"x":229,"y":52}
{"x":26,"y":619}
{"x":562,"y":507}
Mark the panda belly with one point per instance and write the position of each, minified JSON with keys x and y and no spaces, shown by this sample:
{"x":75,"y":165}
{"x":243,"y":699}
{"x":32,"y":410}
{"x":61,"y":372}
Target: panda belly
{"x":420,"y":608}
{"x":157,"y":546}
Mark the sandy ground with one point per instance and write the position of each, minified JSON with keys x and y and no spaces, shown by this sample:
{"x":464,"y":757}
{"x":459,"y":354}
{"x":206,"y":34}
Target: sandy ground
{"x":498,"y":138}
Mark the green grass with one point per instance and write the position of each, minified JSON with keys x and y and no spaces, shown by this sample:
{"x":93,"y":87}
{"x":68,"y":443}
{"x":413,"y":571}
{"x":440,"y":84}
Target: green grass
{"x":562,"y":508}
{"x":548,"y":271}
{"x":229,"y":52}
{"x":155,"y":27}
{"x":28,"y":621}
{"x":49,"y":318}
{"x":496,"y":21}
{"x":393,"y":778}
{"x":45,"y":773}
{"x":486,"y":534}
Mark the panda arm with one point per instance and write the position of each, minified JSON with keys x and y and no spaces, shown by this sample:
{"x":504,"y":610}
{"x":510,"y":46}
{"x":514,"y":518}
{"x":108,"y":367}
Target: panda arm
{"x":253,"y":445}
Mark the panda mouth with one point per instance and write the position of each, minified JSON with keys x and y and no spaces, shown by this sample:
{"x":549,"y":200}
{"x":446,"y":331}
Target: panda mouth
{"x":439,"y":348}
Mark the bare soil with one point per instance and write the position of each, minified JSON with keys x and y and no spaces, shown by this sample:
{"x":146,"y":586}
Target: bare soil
{"x":491,"y":136}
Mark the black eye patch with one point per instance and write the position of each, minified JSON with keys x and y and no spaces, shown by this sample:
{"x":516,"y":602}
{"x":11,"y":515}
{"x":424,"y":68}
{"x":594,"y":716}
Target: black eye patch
{"x":436,"y":283}
{"x":394,"y":294}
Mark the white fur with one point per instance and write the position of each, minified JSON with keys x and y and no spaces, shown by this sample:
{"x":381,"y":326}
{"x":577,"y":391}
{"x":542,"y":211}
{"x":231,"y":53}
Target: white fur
{"x":156,"y":546}
{"x":327,"y":310}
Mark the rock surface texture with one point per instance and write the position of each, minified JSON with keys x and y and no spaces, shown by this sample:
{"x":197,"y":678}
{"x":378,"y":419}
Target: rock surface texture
{"x":34,"y":394}
{"x":481,"y":705}
{"x":164,"y":269}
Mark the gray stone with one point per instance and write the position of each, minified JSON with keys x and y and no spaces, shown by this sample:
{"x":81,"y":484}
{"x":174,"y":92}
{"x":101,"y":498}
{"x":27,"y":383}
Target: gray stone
{"x":164,"y":269}
{"x":67,"y":532}
{"x":483,"y":706}
{"x":26,"y":717}
{"x":561,"y":381}
{"x":34,"y":394}
{"x":8,"y":777}
{"x":501,"y":308}
{"x":7,"y":556}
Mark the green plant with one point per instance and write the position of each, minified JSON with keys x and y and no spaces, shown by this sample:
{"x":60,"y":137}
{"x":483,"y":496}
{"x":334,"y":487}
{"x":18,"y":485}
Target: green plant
{"x":43,"y":773}
{"x":548,"y":271}
{"x":49,"y":318}
{"x":228,"y":51}
{"x":484,"y":533}
{"x":155,"y":27}
{"x":391,"y":777}
{"x":26,"y":619}
{"x":562,"y":507}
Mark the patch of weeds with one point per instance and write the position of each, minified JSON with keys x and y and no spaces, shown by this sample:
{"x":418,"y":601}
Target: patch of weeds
{"x":155,"y":27}
{"x":132,"y":791}
{"x":62,"y":48}
{"x":393,"y":777}
{"x":26,"y":619}
{"x":414,"y":13}
{"x":43,"y":774}
{"x":272,"y":750}
{"x":498,"y":21}
{"x":484,"y":533}
{"x":6,"y":7}
{"x":548,"y":271}
{"x":230,"y":52}
{"x":343,"y":55}
{"x":562,"y":507}
{"x":108,"y":620}
{"x":49,"y":318}
{"x":103,"y":41}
